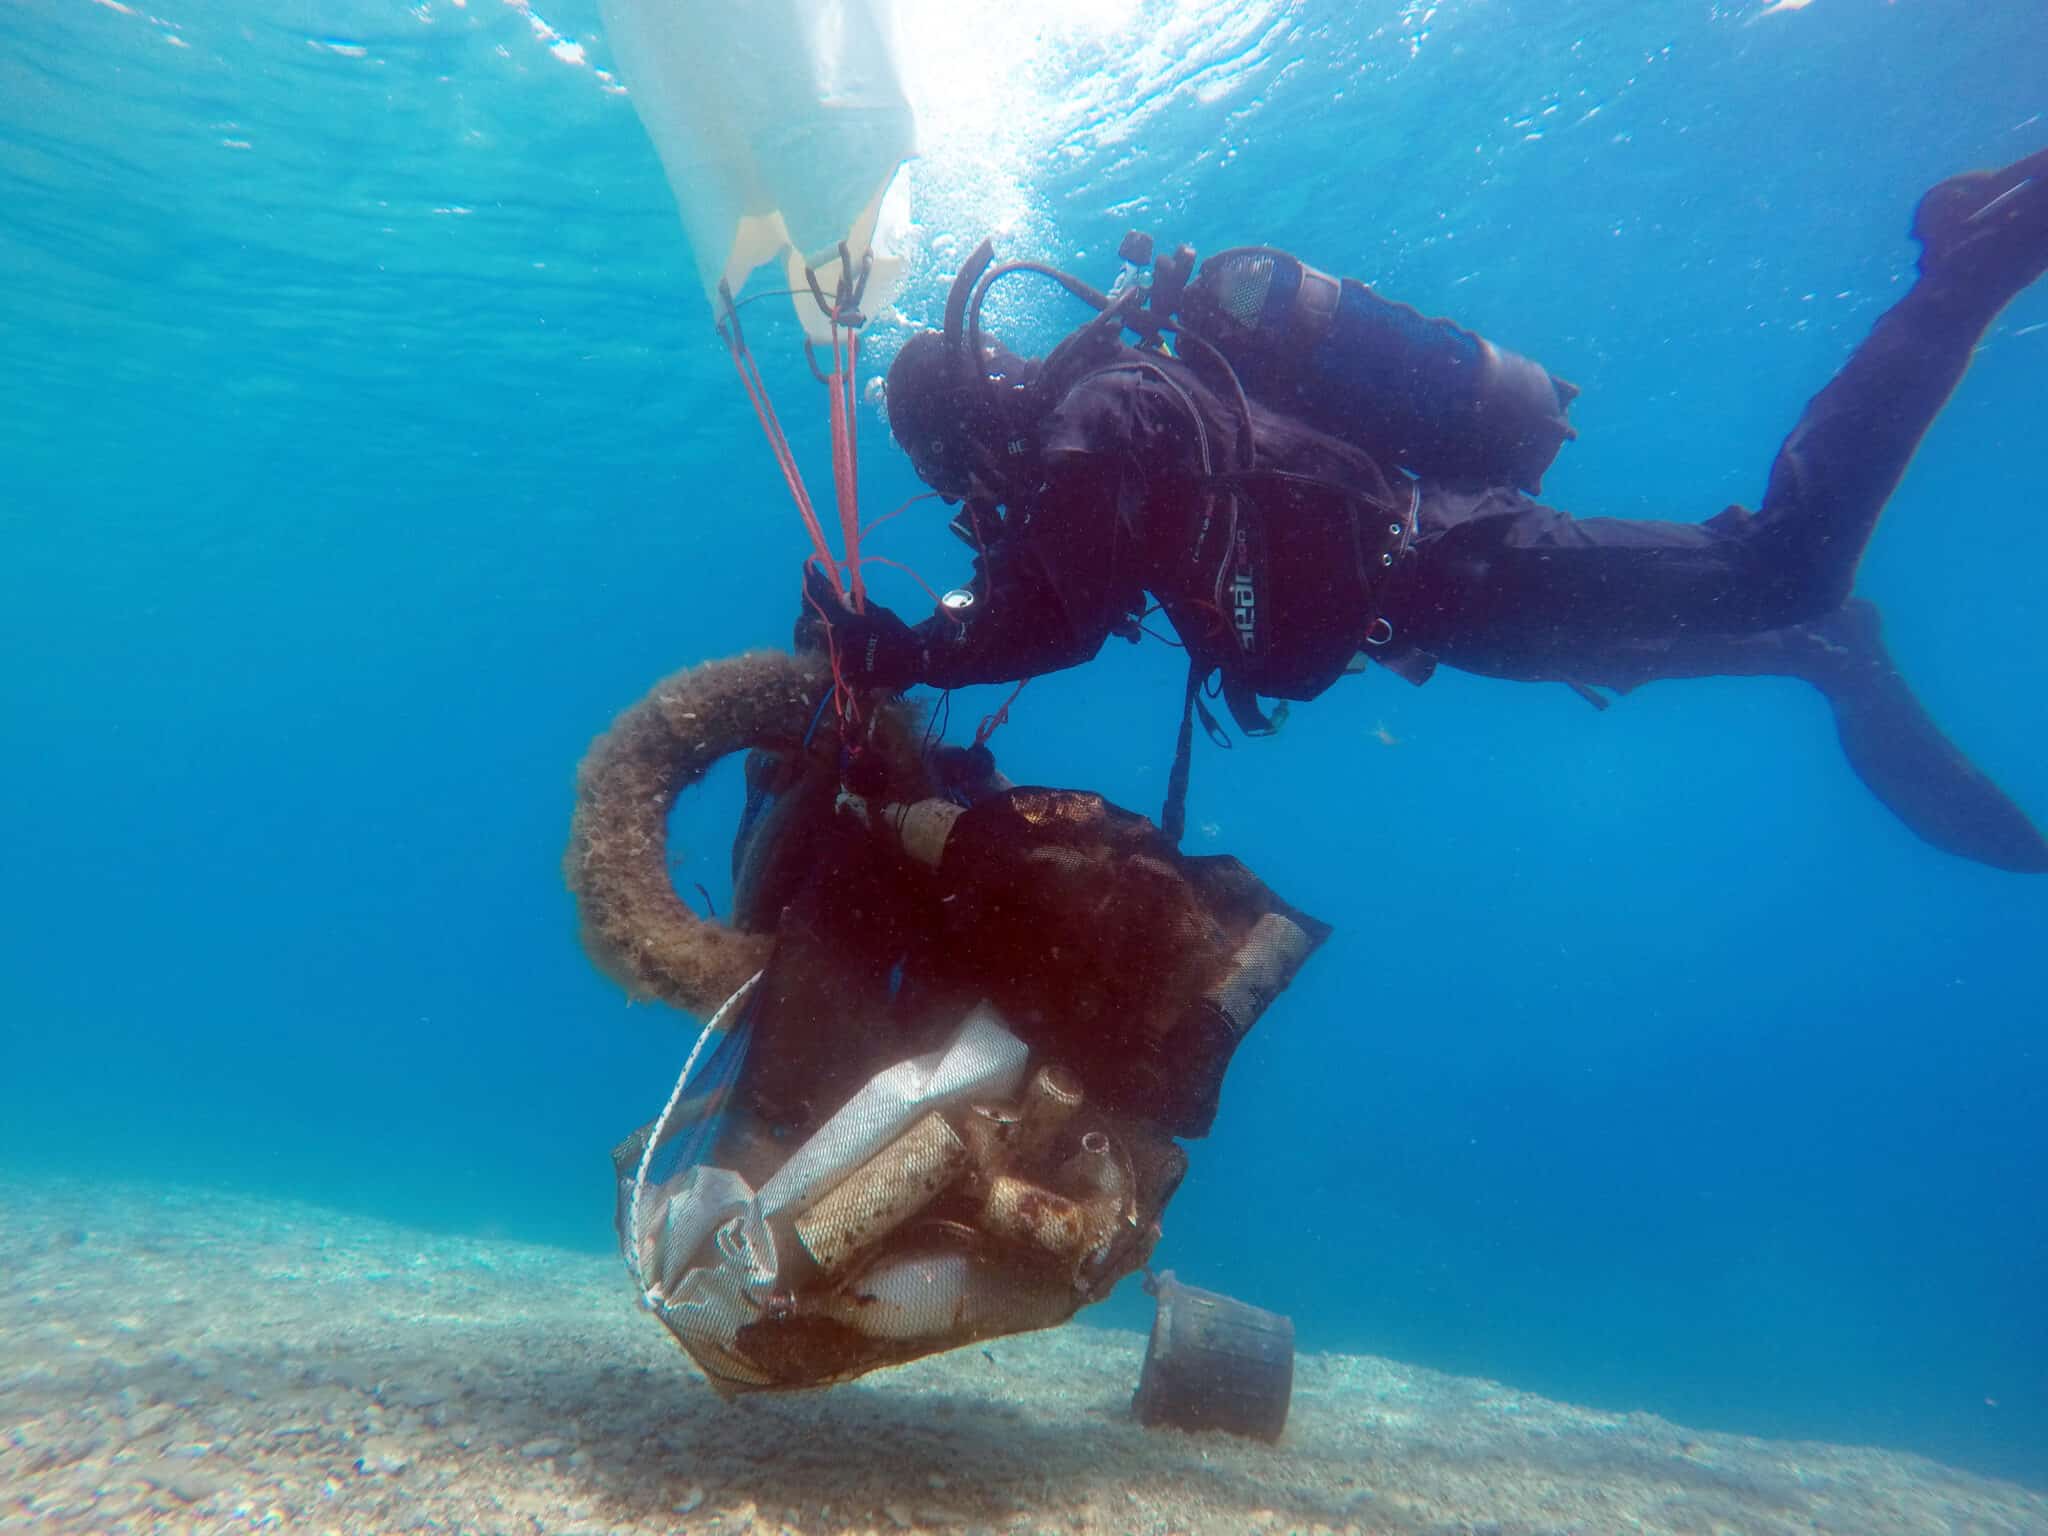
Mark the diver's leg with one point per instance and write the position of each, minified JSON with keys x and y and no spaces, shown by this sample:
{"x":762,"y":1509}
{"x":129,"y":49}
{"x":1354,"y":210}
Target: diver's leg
{"x":1903,"y":757}
{"x":1501,"y":585}
{"x":1496,"y":583}
{"x":1983,"y":238}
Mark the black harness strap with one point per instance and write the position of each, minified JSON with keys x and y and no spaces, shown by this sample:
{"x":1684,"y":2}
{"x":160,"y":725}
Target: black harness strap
{"x":1173,"y":816}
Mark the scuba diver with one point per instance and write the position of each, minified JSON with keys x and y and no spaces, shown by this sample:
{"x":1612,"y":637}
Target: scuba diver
{"x":1303,"y":473}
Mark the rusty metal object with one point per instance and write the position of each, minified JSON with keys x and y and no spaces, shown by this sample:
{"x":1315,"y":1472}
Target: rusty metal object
{"x":890,"y":1188}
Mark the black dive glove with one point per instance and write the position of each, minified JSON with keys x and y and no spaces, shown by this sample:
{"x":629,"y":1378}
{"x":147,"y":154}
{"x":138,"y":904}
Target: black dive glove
{"x":876,"y":649}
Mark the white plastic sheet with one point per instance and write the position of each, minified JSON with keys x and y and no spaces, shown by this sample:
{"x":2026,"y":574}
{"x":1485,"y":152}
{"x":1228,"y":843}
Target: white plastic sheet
{"x":715,"y":1260}
{"x":783,"y":128}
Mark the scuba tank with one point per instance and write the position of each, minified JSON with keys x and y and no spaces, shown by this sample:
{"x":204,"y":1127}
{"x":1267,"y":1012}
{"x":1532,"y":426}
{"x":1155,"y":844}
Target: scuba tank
{"x":1422,"y":393}
{"x":1402,"y":388}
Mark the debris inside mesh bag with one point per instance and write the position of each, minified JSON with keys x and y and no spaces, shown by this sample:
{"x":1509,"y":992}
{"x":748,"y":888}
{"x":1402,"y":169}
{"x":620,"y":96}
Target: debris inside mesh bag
{"x":955,"y":1028}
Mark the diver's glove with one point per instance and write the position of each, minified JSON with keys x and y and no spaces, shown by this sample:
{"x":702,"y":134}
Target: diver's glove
{"x":876,"y":648}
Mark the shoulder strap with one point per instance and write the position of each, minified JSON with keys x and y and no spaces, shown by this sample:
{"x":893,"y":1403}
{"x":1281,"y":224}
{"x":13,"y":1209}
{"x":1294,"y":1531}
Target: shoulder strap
{"x":1173,"y":816}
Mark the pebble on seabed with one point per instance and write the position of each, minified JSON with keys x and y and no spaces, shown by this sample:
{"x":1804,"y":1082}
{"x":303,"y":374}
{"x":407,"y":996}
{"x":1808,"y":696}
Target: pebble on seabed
{"x":256,"y":1382}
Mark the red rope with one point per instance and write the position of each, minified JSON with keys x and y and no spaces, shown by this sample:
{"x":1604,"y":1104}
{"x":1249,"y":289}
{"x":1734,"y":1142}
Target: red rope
{"x":852,"y":413}
{"x":898,"y":565}
{"x":844,"y":703}
{"x":778,"y":444}
{"x":1224,"y":628}
{"x":921,"y":496}
{"x":844,"y":419}
{"x":850,"y":369}
{"x":990,"y":724}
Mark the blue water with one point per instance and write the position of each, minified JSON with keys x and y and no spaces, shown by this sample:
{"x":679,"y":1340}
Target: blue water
{"x":364,"y":446}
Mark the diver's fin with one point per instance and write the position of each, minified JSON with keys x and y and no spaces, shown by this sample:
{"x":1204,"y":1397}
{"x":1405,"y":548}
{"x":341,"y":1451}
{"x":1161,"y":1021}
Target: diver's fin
{"x":1892,"y":744}
{"x":1902,"y":757}
{"x":1988,"y":229}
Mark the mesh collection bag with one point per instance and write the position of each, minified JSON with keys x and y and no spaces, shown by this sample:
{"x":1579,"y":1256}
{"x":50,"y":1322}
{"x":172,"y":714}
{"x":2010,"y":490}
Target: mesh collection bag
{"x":945,"y":1108}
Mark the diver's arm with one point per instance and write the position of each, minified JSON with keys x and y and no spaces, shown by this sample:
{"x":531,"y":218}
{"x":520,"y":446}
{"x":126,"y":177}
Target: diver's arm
{"x":1048,"y":592}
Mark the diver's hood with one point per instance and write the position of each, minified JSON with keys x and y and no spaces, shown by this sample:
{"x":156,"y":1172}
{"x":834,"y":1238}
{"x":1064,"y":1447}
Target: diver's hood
{"x":952,"y":415}
{"x":961,"y":402}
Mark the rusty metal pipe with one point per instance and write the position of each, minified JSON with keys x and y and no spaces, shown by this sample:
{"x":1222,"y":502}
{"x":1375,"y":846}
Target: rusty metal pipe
{"x":883,"y":1193}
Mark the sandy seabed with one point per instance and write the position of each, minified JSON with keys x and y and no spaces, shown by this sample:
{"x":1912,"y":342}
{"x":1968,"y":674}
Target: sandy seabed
{"x":183,"y":1361}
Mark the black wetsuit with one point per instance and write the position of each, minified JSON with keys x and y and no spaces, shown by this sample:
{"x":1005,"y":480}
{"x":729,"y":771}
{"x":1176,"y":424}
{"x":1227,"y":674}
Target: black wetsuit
{"x":1503,"y":586}
{"x":1486,"y":580}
